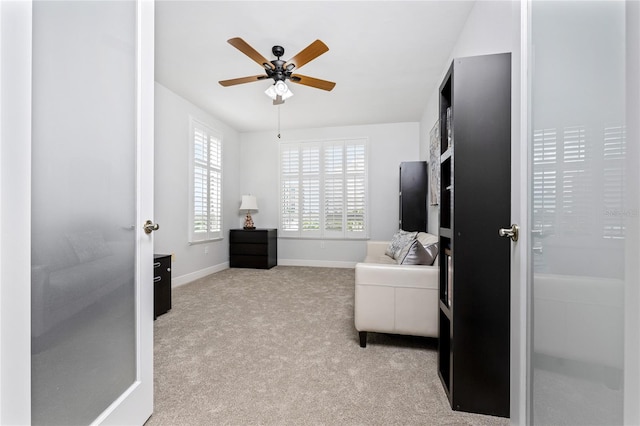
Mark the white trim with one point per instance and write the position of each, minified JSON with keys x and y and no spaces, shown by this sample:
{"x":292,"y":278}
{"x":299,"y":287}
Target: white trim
{"x":15,"y":211}
{"x":317,"y":263}
{"x":521,"y":293}
{"x":193,"y":276}
{"x":632,"y":244}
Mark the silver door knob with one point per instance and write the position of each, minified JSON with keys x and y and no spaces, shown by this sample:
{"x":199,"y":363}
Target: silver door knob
{"x":510,"y":232}
{"x":149,"y":227}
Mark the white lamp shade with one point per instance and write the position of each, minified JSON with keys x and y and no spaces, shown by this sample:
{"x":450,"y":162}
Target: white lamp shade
{"x":278,"y":89}
{"x":249,"y":202}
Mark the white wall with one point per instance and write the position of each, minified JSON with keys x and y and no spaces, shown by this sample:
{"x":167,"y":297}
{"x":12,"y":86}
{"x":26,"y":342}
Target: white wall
{"x":172,"y":183}
{"x":389,"y":145}
{"x":489,"y":29}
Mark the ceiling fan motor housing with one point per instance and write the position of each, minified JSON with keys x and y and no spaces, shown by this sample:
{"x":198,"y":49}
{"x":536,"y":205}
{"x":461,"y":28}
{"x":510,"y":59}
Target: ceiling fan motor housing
{"x":277,"y":51}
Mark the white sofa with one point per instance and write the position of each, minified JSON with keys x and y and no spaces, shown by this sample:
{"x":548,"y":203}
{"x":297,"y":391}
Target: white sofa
{"x":393,"y":298}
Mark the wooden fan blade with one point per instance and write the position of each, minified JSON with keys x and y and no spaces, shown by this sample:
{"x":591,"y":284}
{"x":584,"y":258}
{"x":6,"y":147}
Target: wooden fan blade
{"x":308,"y":54}
{"x":313,"y":82}
{"x":234,"y":81}
{"x":244,"y":47}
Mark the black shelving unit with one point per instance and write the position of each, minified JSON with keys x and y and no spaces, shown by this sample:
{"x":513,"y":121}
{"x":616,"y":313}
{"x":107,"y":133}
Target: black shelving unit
{"x":475,"y":191}
{"x":414,"y":182}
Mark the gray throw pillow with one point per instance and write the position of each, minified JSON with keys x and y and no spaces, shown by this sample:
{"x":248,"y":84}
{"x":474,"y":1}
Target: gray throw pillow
{"x":432,"y":250}
{"x":417,"y":254}
{"x":399,"y":240}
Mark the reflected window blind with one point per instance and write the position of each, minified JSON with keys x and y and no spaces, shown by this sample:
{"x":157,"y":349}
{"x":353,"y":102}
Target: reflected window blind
{"x":614,"y":154}
{"x":544,"y":180}
{"x":577,"y":215}
{"x":206,"y":183}
{"x":564,"y":192}
{"x":323,"y":189}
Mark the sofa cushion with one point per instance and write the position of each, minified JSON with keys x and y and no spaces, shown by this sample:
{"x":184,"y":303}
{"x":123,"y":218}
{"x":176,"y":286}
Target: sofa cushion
{"x":414,"y":254}
{"x":398,"y":242}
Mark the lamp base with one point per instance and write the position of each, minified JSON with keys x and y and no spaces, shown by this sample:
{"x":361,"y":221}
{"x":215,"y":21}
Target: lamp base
{"x":248,"y":222}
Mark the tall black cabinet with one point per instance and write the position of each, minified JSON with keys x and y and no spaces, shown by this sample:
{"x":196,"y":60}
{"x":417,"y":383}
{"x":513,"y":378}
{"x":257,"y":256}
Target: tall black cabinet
{"x":413,"y":196}
{"x":475,"y":163}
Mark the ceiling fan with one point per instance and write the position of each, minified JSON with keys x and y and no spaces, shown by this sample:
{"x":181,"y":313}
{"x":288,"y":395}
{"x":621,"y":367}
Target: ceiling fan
{"x":280,"y":70}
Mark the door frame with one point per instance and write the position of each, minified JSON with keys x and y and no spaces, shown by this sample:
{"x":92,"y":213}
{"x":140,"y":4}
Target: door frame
{"x":15,"y":212}
{"x":15,"y":218}
{"x":520,"y":335}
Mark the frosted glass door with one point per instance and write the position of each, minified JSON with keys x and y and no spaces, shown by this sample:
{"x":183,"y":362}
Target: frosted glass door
{"x":85,"y":254}
{"x":582,"y":211}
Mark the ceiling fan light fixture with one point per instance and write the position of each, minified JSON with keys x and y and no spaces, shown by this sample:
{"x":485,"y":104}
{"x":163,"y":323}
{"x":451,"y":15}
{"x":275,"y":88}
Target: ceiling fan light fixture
{"x":271,"y":92}
{"x":281,"y":87}
{"x":287,"y":94}
{"x":278,"y":89}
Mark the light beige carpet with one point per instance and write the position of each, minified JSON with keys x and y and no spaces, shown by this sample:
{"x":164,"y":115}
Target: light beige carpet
{"x":278,"y":347}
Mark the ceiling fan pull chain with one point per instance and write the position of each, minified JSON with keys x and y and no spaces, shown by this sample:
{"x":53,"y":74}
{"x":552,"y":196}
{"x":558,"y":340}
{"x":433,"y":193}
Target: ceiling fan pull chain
{"x":278,"y":121}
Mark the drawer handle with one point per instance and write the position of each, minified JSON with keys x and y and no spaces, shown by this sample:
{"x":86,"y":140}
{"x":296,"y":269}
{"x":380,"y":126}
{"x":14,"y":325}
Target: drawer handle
{"x":156,"y":264}
{"x":157,"y":279}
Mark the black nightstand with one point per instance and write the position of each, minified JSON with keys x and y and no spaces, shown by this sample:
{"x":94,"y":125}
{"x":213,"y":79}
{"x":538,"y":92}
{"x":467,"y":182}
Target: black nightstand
{"x":161,"y":284}
{"x":256,"y":248}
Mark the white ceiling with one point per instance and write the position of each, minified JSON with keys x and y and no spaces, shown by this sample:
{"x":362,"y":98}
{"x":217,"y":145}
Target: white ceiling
{"x":385,"y":56}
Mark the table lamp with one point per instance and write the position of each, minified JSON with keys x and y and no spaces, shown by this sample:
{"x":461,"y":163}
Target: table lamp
{"x":249,"y":203}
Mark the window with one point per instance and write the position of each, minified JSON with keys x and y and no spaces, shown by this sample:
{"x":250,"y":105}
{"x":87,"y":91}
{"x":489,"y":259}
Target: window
{"x":323,"y":189}
{"x":206,"y":183}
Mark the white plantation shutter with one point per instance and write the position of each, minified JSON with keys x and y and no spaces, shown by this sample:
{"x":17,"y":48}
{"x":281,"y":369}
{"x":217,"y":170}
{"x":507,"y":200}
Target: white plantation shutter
{"x":289,"y":190}
{"x":310,"y":202}
{"x":356,"y":175}
{"x":323,"y":189}
{"x":333,"y":189}
{"x":206,"y":183}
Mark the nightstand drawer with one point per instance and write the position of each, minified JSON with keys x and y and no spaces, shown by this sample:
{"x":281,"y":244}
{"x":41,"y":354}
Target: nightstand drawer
{"x":245,"y":261}
{"x":249,"y":249}
{"x":257,"y":236}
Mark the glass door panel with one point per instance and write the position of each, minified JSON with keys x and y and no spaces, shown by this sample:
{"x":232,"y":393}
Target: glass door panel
{"x":83,"y":208}
{"x":579,"y":218}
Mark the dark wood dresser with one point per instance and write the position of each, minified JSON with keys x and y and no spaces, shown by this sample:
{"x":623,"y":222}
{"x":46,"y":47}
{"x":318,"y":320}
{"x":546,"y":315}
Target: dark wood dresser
{"x":253,"y":248}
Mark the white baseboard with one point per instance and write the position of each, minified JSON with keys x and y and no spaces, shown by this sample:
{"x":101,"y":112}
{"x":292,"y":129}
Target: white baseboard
{"x":317,"y":263}
{"x":192,"y":276}
{"x":187,"y":278}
